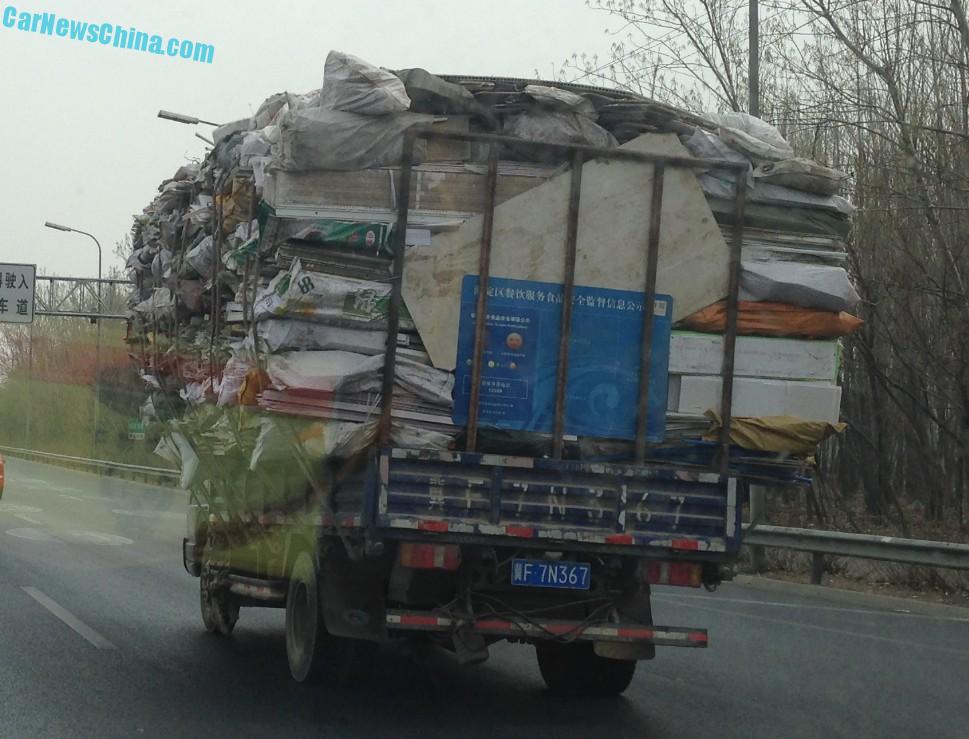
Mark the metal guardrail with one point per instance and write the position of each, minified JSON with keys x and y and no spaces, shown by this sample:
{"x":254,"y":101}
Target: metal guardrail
{"x":102,"y":464}
{"x":866,"y":546}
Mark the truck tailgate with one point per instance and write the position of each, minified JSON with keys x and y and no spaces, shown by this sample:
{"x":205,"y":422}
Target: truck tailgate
{"x":538,"y":501}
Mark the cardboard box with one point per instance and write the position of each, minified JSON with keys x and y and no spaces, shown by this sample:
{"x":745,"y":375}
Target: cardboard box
{"x":442,"y":188}
{"x":815,"y":401}
{"x":756,"y":356}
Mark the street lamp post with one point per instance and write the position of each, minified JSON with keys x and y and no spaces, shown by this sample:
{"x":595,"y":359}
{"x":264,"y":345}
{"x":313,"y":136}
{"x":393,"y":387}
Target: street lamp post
{"x":97,"y":340}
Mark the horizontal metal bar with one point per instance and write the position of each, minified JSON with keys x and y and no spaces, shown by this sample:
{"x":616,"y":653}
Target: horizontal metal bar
{"x":102,"y":463}
{"x":865,"y":546}
{"x":514,"y":627}
{"x":104,"y":280}
{"x":593,"y":152}
{"x":79,"y":314}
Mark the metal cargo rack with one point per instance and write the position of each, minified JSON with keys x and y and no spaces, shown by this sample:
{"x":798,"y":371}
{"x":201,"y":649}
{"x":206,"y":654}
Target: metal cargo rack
{"x":657,"y":164}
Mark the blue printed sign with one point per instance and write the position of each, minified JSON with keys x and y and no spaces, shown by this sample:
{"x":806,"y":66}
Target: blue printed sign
{"x":522,"y":331}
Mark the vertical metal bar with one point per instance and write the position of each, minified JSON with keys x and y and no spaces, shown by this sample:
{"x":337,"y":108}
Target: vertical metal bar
{"x":571,"y":239}
{"x":30,"y":382}
{"x":484,"y":272}
{"x":730,"y":332}
{"x":396,"y":296}
{"x":649,"y":307}
{"x":753,"y":73}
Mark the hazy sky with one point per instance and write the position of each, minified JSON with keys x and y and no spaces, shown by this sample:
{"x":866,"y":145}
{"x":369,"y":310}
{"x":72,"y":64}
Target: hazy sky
{"x":81,"y":143}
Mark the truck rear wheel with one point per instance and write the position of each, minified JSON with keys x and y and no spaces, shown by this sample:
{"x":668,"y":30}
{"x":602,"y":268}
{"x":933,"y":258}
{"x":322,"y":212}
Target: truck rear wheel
{"x":314,"y":655}
{"x":576,"y":670}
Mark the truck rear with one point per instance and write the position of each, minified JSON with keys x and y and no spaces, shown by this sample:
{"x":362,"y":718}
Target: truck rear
{"x":424,"y":387}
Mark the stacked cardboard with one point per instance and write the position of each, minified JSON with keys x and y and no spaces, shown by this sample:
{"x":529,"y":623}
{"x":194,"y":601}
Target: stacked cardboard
{"x":263,"y":272}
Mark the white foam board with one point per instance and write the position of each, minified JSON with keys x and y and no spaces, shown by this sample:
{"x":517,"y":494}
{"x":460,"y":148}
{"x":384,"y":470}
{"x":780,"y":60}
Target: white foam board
{"x":754,"y":397}
{"x":756,"y":356}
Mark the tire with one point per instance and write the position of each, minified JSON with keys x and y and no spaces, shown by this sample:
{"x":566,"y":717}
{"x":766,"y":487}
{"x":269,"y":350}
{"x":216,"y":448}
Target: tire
{"x":576,"y":670}
{"x":219,"y":612}
{"x":313,"y":654}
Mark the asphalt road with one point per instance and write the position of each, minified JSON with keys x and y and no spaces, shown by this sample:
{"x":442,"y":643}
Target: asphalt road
{"x":101,"y":637}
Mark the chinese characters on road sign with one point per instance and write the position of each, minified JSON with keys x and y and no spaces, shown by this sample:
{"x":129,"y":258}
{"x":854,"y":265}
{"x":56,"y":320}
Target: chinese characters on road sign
{"x":17,"y":293}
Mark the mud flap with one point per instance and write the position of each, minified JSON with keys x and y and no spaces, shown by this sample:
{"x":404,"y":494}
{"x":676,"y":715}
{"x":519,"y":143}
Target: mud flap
{"x":352,"y":595}
{"x":635,"y":607}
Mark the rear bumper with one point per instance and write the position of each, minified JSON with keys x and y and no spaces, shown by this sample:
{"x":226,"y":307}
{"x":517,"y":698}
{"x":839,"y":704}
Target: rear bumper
{"x":540,"y":629}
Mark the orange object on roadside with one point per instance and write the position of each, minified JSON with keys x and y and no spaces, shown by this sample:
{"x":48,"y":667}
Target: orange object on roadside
{"x":774,"y":319}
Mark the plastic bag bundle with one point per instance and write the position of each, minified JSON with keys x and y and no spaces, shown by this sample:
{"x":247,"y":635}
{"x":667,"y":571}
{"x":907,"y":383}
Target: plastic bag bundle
{"x":355,"y":86}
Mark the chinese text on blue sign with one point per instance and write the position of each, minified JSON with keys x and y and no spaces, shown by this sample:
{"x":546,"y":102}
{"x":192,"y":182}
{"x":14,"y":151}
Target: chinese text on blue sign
{"x":17,"y":293}
{"x":522,"y":330}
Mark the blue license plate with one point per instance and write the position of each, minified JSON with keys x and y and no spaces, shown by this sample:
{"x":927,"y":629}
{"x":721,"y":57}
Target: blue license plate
{"x":542,"y":573}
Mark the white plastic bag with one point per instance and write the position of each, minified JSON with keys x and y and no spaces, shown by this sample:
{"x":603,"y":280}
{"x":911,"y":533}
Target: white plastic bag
{"x":353,"y":85}
{"x":756,"y":139}
{"x":816,"y":286}
{"x":319,"y":138}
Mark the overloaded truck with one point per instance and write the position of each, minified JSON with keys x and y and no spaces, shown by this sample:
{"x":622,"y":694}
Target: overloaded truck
{"x":464,"y":359}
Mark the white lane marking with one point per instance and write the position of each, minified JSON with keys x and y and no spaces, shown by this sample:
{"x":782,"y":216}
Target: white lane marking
{"x":671,"y":598}
{"x":27,"y":519}
{"x":96,"y":537}
{"x":79,"y":627}
{"x":149,"y":514}
{"x":17,"y":508}
{"x":830,"y":630}
{"x":72,"y":497}
{"x":33,"y":535}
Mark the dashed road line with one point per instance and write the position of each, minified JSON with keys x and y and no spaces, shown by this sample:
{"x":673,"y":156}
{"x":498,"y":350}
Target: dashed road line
{"x":78,"y":626}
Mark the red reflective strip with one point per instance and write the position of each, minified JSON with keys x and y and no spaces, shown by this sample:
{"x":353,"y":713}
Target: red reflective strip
{"x":493,"y":625}
{"x":697,"y":637}
{"x":691,"y":544}
{"x":635,"y":633}
{"x":619,"y":539}
{"x":523,"y":532}
{"x":406,"y":620}
{"x":348,"y":522}
{"x":437,"y":526}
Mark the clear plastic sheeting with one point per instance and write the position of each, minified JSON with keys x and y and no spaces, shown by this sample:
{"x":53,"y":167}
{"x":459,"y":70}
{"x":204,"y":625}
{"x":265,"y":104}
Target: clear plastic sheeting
{"x":755,"y":138}
{"x":556,"y":98}
{"x":348,"y":373}
{"x":808,"y":285}
{"x":176,"y":449}
{"x":801,"y":174}
{"x":159,"y":305}
{"x":350,"y":84}
{"x":199,"y":257}
{"x":281,"y":335}
{"x":338,"y":140}
{"x":556,"y":127}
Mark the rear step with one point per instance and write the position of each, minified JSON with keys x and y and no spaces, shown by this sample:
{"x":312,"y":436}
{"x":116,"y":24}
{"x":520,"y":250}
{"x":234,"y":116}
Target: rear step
{"x":664,"y":636}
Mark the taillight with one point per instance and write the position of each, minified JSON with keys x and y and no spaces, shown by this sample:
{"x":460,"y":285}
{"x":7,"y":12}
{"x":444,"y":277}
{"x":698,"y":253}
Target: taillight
{"x":429,"y":556}
{"x":682,"y":574}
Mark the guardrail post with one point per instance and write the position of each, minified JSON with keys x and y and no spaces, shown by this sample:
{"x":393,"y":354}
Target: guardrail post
{"x":758,"y":515}
{"x":817,"y":567}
